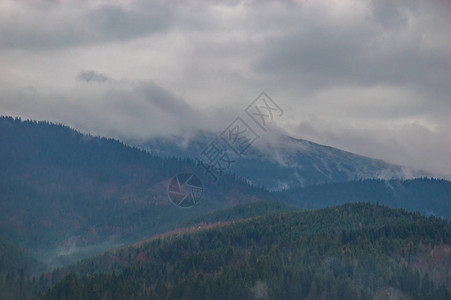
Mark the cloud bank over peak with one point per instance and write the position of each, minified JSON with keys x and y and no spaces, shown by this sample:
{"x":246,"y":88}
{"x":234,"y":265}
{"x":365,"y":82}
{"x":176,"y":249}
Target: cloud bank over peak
{"x":371,"y":77}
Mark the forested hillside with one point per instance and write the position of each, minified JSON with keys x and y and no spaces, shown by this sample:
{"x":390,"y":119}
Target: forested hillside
{"x":429,"y":196}
{"x":65,"y":195}
{"x":16,"y":268}
{"x":62,"y":192}
{"x":355,"y":251}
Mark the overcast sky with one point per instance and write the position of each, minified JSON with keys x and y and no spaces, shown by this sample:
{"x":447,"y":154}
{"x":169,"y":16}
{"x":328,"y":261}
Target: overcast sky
{"x":368,"y":76}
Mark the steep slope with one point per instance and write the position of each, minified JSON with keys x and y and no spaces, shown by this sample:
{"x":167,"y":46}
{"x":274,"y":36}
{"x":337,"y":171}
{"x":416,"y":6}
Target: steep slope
{"x":279,"y":162}
{"x":356,"y":251}
{"x":428,"y":196}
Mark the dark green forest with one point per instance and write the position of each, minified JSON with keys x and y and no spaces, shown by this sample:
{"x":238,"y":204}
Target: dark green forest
{"x":16,"y":269}
{"x":355,"y":251}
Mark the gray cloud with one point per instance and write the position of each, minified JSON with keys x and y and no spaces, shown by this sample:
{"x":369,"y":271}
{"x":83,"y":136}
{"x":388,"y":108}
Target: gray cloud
{"x":115,"y":108}
{"x":54,"y":25}
{"x":93,"y":76}
{"x":372,"y":77}
{"x":385,"y":143}
{"x":383,"y":48}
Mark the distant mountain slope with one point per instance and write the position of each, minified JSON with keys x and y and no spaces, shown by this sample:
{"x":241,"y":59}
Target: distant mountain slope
{"x":428,"y":196}
{"x":279,"y":162}
{"x":355,"y":251}
{"x":243,"y":211}
{"x":62,"y":191}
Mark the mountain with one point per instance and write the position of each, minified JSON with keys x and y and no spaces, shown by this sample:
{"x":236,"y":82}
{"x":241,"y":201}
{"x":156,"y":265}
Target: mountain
{"x":280,"y":162}
{"x":354,"y":251}
{"x":65,"y":195}
{"x":428,"y":196}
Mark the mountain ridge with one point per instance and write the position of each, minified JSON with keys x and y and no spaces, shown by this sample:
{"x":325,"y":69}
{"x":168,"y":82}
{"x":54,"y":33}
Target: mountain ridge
{"x":279,"y":162}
